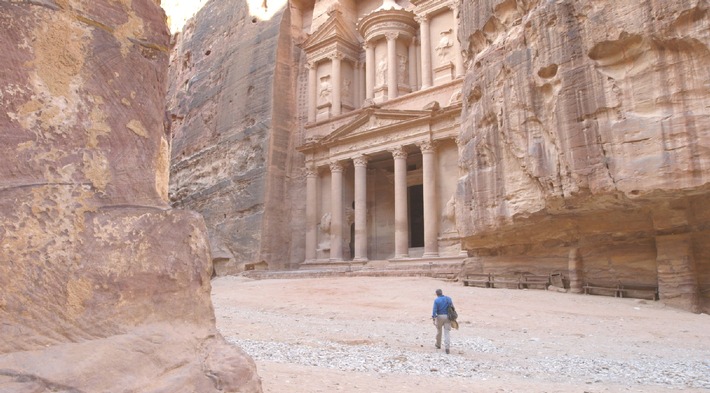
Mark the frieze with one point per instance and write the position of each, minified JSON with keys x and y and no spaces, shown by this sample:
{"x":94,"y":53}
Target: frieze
{"x":379,"y":22}
{"x":432,"y":7}
{"x":324,"y":54}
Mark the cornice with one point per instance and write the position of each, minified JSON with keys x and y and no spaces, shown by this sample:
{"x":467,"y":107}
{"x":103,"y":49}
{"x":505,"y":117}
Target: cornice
{"x":431,"y":7}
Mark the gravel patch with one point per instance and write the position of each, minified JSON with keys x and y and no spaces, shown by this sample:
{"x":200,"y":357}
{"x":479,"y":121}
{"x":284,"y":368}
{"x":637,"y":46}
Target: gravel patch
{"x":643,"y":370}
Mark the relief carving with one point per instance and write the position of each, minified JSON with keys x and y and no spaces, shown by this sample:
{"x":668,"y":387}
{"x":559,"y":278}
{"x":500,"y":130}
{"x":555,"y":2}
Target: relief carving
{"x":402,"y":76}
{"x":325,"y":89}
{"x":445,"y":44}
{"x":382,"y":71}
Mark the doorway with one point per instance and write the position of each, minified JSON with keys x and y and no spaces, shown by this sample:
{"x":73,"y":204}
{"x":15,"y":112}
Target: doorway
{"x":415,"y":201}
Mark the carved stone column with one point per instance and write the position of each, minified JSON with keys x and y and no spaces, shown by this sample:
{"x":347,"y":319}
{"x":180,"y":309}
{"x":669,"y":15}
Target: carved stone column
{"x":369,"y":70}
{"x":431,"y":216}
{"x":576,"y":271}
{"x":413,"y":64}
{"x":425,"y":37}
{"x":458,"y":57}
{"x":360,"y":163}
{"x":311,"y":213}
{"x":677,"y":271}
{"x":312,"y":92}
{"x":336,"y":214}
{"x":357,"y":100}
{"x":337,"y":83}
{"x":675,"y":257}
{"x":392,"y":89}
{"x":401,"y":219}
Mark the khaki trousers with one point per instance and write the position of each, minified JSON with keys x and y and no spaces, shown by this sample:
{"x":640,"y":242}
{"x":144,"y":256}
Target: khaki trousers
{"x":442,"y":321}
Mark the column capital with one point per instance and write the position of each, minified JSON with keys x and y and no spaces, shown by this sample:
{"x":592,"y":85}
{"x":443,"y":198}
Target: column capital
{"x":336,"y":166}
{"x":427,"y":146}
{"x":368,"y":45}
{"x":455,"y":8}
{"x":311,"y":171}
{"x":360,"y":160}
{"x":398,"y":152}
{"x":391,"y":36}
{"x":336,"y":56}
{"x":422,"y":18}
{"x":311,"y":65}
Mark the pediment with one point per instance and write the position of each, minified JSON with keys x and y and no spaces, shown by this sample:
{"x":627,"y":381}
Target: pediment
{"x":375,"y":121}
{"x":336,"y":29}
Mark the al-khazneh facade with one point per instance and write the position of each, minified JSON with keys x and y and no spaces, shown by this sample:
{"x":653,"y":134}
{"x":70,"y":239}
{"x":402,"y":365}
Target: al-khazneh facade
{"x":384,"y":105}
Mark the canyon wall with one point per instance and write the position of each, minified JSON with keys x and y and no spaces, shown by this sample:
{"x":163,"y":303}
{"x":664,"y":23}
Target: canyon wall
{"x":104,"y":286}
{"x":232,"y":108}
{"x":584,"y":150}
{"x":586,"y":141}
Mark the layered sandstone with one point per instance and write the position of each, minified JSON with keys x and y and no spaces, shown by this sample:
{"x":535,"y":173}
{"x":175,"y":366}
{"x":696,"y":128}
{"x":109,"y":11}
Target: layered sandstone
{"x":586,"y":139}
{"x":104,"y":286}
{"x":233,"y":112}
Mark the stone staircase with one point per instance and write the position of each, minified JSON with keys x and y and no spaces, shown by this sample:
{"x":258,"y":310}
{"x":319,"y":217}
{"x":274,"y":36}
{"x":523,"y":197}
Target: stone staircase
{"x":442,"y":268}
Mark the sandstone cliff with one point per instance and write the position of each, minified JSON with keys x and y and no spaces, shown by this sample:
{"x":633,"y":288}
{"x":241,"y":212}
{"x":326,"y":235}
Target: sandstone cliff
{"x":232,"y":106}
{"x":104,"y":286}
{"x":586,"y":140}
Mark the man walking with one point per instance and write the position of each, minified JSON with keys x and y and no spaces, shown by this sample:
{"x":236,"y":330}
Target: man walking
{"x":440,"y":317}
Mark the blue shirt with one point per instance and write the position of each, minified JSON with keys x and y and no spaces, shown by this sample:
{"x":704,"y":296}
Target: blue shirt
{"x":441,"y":306}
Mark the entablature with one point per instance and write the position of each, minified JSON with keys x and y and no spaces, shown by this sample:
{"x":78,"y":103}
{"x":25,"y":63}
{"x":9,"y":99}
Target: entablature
{"x":430,"y":7}
{"x":378,"y":23}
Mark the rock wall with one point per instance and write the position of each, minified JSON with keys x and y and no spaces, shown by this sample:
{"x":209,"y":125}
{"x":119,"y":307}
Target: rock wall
{"x":232,"y":106}
{"x":587,"y":133}
{"x":104,"y":286}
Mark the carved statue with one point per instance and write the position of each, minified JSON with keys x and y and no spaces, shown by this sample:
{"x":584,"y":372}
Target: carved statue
{"x":325,"y":89}
{"x":403,"y":75}
{"x":382,"y":71}
{"x":325,"y":223}
{"x":345,"y":92}
{"x":444,"y":44}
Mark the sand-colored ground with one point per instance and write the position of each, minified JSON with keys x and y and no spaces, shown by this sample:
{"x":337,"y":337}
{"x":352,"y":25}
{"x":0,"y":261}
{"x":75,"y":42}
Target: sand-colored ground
{"x":366,"y":334}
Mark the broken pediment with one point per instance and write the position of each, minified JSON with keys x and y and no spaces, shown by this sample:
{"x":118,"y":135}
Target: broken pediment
{"x":336,"y":32}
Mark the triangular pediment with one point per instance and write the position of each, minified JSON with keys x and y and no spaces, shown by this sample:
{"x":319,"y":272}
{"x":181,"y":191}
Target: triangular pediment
{"x":375,"y":121}
{"x":336,"y":29}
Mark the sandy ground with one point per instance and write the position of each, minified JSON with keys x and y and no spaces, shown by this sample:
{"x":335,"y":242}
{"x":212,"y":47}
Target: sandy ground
{"x":311,"y":335}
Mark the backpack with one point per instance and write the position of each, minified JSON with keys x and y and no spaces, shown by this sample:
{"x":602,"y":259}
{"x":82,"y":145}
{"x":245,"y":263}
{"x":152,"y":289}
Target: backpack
{"x":451,"y":311}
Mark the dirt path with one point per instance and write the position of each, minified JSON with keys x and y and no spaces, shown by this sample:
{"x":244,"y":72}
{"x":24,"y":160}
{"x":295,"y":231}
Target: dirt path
{"x":363,"y":334}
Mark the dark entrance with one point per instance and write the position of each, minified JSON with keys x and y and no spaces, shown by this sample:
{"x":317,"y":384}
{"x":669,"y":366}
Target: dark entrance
{"x":416,"y":215}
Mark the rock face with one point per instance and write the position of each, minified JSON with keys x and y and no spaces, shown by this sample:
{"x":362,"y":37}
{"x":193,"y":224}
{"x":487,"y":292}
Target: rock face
{"x":232,"y":107}
{"x":104,"y":286}
{"x":586,"y":141}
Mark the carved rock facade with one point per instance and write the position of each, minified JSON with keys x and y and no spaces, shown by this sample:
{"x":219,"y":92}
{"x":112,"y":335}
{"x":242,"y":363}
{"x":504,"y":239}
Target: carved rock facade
{"x":533,"y":136}
{"x":104,"y":286}
{"x":585,"y":141}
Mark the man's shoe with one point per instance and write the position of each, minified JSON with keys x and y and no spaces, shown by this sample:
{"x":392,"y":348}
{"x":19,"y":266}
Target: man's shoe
{"x":438,"y":346}
{"x":447,"y":351}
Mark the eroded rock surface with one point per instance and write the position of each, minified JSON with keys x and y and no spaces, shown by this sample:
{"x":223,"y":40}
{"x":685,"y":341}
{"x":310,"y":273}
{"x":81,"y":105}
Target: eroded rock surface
{"x":104,"y":286}
{"x":586,"y":140}
{"x":232,"y":107}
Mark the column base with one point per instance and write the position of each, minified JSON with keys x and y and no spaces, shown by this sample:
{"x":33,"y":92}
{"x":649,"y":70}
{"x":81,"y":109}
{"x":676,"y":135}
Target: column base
{"x":430,"y":255}
{"x":360,"y":259}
